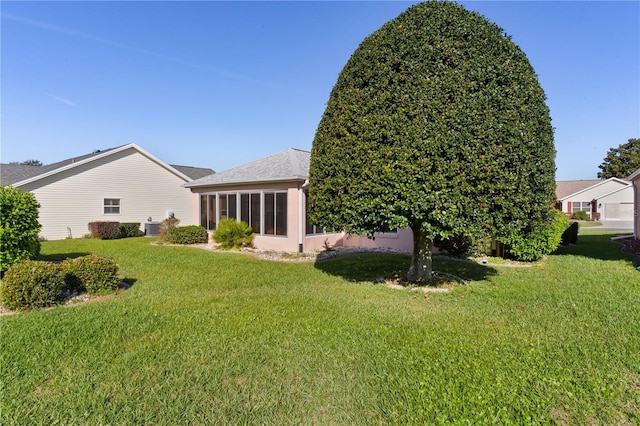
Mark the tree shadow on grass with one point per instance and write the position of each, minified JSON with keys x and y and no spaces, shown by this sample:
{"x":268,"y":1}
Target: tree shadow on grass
{"x":371,"y":266}
{"x":597,"y":246}
{"x":59,"y":257}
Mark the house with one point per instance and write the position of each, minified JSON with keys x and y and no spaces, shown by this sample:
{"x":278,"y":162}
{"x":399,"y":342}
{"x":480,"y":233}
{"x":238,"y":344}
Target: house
{"x":610,"y":199}
{"x":122,"y":184}
{"x":635,"y":181}
{"x":270,"y":194}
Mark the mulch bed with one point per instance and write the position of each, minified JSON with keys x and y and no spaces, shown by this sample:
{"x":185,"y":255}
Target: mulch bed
{"x":630,"y":245}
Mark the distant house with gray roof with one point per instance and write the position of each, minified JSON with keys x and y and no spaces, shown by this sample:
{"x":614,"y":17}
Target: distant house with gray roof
{"x":122,"y":184}
{"x":610,"y":199}
{"x":270,"y":194}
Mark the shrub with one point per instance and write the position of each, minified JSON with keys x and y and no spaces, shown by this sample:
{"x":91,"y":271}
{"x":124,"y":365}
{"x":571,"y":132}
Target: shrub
{"x":570,"y":235}
{"x":233,"y":234}
{"x":19,"y":226}
{"x":457,"y":245}
{"x":542,"y":239}
{"x":93,"y":274}
{"x":129,"y":229}
{"x":191,"y":234}
{"x":580,"y":215}
{"x":165,"y":226}
{"x":31,"y":284}
{"x":105,"y":230}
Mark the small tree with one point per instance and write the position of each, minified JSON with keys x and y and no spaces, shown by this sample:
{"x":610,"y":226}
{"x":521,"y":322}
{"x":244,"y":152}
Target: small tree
{"x":622,"y":161}
{"x":19,"y":226}
{"x":436,"y":123}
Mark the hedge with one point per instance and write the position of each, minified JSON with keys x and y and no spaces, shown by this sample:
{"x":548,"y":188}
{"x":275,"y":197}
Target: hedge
{"x":191,"y":234}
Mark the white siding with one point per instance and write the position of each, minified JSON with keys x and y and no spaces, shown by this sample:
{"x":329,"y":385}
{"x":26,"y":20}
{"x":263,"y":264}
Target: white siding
{"x":71,"y":199}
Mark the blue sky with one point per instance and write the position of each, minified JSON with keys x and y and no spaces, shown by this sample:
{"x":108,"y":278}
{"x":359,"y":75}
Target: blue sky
{"x":217,"y":84}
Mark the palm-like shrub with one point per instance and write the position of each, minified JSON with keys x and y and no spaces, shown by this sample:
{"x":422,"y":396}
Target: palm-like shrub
{"x":233,"y":234}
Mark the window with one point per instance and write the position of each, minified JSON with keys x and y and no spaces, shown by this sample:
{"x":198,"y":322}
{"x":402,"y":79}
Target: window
{"x":266,"y":213}
{"x":208,"y":211}
{"x":111,"y":205}
{"x":275,"y":213}
{"x":584,"y":206}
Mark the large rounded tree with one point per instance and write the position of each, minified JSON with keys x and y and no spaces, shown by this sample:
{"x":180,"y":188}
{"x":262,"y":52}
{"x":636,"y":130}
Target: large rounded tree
{"x":437,"y":123}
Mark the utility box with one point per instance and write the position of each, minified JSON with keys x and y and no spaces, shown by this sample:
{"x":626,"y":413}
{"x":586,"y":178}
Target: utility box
{"x":152,"y":229}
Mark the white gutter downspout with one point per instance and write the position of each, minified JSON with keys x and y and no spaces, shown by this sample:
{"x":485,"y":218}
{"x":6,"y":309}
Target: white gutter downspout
{"x":301,"y":216}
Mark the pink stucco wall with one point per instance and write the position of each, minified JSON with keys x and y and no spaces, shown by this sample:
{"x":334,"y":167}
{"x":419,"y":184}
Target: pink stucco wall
{"x":400,"y":241}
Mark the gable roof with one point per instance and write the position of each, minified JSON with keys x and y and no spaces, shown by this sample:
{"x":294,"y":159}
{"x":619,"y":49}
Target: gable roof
{"x":18,"y":174}
{"x":634,"y":175}
{"x":565,"y":188}
{"x":622,"y":185}
{"x":289,"y":165}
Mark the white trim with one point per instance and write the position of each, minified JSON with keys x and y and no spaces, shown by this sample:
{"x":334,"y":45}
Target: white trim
{"x":623,"y":182}
{"x":99,"y":156}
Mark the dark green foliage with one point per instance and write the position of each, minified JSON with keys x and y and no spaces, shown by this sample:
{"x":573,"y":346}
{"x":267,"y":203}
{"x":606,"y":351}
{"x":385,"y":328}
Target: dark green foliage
{"x":462,"y":245}
{"x":580,"y":215}
{"x":622,"y":161}
{"x":191,"y":234}
{"x":570,"y":235}
{"x":92,"y":273}
{"x":233,"y":234}
{"x":19,"y":226}
{"x":437,"y":123}
{"x":542,"y":239}
{"x":129,"y":229}
{"x":457,"y":245}
{"x":105,"y":230}
{"x":165,"y":227}
{"x":31,"y":284}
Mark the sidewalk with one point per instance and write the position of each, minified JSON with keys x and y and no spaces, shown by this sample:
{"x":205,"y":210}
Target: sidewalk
{"x":622,"y":225}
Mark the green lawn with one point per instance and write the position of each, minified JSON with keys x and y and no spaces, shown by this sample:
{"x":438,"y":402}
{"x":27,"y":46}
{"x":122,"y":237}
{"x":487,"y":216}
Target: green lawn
{"x":217,"y":338}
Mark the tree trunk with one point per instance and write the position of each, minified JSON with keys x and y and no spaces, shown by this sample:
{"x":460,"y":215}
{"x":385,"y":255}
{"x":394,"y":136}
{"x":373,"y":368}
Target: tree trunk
{"x":421,"y":268}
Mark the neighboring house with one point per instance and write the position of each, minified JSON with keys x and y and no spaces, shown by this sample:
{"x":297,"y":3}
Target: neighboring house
{"x":122,"y":184}
{"x":610,"y":199}
{"x":635,"y":181}
{"x":270,"y":194}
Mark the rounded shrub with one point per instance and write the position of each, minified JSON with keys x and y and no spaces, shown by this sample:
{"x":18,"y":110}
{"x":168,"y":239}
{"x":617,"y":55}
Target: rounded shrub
{"x":19,"y":226}
{"x":31,"y":284}
{"x":580,"y":215}
{"x":539,"y":241}
{"x":92,"y":273}
{"x":233,"y":234}
{"x":129,"y":229}
{"x":191,"y":234}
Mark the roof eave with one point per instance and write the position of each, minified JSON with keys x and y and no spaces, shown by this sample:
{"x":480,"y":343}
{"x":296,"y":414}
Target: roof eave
{"x":100,"y":156}
{"x":244,"y":182}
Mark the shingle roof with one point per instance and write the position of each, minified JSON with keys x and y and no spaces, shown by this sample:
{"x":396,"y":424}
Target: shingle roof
{"x":568,"y":187}
{"x":291,"y":164}
{"x":14,"y":173}
{"x":193,"y":172}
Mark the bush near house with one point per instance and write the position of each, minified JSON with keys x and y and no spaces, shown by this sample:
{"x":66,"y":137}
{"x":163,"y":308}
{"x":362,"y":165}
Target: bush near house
{"x":105,"y":230}
{"x":19,"y":226}
{"x":31,"y":284}
{"x":129,"y":229}
{"x":539,"y":241}
{"x":233,"y":234}
{"x":580,"y":215}
{"x":191,"y":234}
{"x":165,"y":227}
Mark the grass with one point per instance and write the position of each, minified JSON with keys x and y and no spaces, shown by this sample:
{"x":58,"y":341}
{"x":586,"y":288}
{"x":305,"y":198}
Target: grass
{"x":217,"y":338}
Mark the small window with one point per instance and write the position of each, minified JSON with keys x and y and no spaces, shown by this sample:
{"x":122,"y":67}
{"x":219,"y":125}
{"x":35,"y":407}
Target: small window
{"x":111,"y":206}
